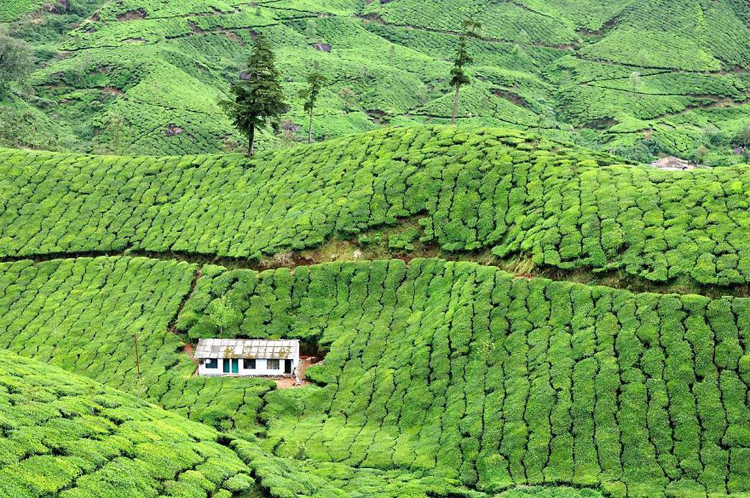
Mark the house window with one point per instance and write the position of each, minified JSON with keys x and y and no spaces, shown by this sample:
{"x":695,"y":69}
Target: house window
{"x":212,"y":363}
{"x":272,"y":364}
{"x":249,"y":364}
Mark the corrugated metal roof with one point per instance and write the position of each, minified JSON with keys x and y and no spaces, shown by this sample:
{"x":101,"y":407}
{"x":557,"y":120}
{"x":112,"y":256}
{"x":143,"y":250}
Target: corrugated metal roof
{"x":247,"y":348}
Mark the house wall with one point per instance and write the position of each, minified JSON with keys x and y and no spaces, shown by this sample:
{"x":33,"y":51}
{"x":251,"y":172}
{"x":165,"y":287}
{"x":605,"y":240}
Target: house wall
{"x":261,"y":369}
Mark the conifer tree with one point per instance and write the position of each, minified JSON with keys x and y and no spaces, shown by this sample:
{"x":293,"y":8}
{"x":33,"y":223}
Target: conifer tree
{"x":459,"y":77}
{"x":315,"y":82}
{"x":258,"y":99}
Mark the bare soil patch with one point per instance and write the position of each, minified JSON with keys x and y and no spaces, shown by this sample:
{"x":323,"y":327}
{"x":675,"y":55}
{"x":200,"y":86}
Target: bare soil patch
{"x":112,"y":90}
{"x":290,"y":382}
{"x":132,"y":15}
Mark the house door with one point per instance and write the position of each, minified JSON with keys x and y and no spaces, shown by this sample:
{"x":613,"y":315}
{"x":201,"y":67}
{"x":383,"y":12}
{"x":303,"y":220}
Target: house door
{"x":226,"y":366}
{"x":288,"y":366}
{"x":235,"y":366}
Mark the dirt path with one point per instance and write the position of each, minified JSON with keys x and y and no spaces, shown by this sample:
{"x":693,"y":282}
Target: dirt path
{"x":289,"y":382}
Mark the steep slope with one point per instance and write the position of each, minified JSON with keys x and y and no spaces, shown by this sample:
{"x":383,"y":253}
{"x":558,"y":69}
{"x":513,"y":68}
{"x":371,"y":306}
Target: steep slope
{"x":636,"y":77}
{"x":492,"y":190}
{"x":67,"y":436}
{"x":64,"y":435}
{"x":468,"y":372}
{"x":456,"y":378}
{"x":440,"y":378}
{"x":84,"y":314}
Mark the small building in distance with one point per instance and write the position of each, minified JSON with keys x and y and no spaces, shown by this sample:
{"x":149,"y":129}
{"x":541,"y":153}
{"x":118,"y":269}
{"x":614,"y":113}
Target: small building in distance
{"x":247,"y":357}
{"x":672,"y":163}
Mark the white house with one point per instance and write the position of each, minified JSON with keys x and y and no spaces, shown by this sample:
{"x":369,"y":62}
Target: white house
{"x":246,"y":357}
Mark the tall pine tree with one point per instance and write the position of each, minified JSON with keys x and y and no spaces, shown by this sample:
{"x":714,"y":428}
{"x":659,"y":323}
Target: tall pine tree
{"x":315,"y":82}
{"x":459,"y":77}
{"x":258,"y":99}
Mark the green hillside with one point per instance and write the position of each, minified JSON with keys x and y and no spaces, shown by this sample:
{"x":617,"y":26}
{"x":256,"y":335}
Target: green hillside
{"x":64,"y":435}
{"x":520,"y":304}
{"x":495,"y":192}
{"x":469,"y":372}
{"x":83,"y":314}
{"x":436,"y":374}
{"x":640,"y":78}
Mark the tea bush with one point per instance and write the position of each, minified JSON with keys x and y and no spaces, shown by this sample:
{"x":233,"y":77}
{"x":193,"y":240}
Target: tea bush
{"x":392,"y":59}
{"x":13,"y":10}
{"x":487,"y":189}
{"x":65,"y":435}
{"x":439,"y":378}
{"x":82,"y":314}
{"x":463,"y":371}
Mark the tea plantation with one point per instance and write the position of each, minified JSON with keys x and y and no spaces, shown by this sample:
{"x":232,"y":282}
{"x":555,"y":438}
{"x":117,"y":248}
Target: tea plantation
{"x":440,"y":378}
{"x":83,"y":314}
{"x":495,"y":190}
{"x":640,"y":78}
{"x":468,"y":372}
{"x":514,"y":305}
{"x":64,"y":435}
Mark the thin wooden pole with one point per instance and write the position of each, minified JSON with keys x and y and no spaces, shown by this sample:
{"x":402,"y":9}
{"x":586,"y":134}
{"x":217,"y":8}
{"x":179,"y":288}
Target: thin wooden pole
{"x":137,"y":356}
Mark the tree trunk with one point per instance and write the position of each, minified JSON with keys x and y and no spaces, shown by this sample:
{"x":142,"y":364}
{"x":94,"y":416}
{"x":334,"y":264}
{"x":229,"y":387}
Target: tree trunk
{"x":309,"y":128}
{"x":251,"y":142}
{"x":455,"y":104}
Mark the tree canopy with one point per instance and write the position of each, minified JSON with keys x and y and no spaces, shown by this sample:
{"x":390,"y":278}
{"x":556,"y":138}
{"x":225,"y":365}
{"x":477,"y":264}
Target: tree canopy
{"x":15,"y":61}
{"x":459,"y":77}
{"x":258,"y":99}
{"x":315,"y":82}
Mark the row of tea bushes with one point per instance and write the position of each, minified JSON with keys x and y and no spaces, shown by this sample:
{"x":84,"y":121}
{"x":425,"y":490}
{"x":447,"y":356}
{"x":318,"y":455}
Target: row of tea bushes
{"x":68,"y":436}
{"x":466,"y":372}
{"x":82,"y":314}
{"x":64,"y":435}
{"x":485,"y":189}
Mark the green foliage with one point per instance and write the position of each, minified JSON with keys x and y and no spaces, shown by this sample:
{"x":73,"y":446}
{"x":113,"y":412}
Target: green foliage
{"x":567,"y":71}
{"x":439,"y":377}
{"x":15,"y":61}
{"x":257,"y":98}
{"x":315,"y":82}
{"x":458,"y":75}
{"x":490,"y":189}
{"x":466,"y":372}
{"x":82,"y":315}
{"x":743,"y":136}
{"x":64,"y":435}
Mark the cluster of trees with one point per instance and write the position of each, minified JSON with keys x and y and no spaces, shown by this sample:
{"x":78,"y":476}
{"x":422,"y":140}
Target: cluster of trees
{"x":258,"y":99}
{"x":715,"y":139}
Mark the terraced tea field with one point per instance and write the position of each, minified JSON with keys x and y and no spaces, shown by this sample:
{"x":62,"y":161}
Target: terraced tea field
{"x":468,"y":372}
{"x":440,"y":378}
{"x":514,"y":306}
{"x":503,"y":192}
{"x":64,"y":435}
{"x":638,"y":78}
{"x":441,"y":373}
